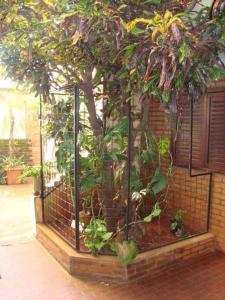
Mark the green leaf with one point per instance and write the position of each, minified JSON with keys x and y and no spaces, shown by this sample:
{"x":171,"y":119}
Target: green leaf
{"x":146,"y":86}
{"x":185,"y":52}
{"x":126,"y":251}
{"x":96,"y":235}
{"x":129,"y":49}
{"x":106,"y":236}
{"x":156,"y":211}
{"x":122,"y":6}
{"x":87,"y":183}
{"x":101,"y":179}
{"x":216,"y":73}
{"x":222,"y":38}
{"x":173,"y":226}
{"x":166,"y":96}
{"x":156,"y":2}
{"x":164,"y":145}
{"x":158,"y":183}
{"x":123,"y":23}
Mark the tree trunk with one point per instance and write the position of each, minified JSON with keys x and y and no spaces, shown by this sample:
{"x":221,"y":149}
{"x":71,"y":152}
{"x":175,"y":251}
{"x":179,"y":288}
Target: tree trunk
{"x":107,"y":192}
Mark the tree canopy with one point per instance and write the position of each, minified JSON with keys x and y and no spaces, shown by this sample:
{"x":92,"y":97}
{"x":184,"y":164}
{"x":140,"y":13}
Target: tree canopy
{"x":156,"y":47}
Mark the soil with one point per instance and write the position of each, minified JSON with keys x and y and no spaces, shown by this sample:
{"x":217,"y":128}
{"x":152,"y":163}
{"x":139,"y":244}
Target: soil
{"x":149,"y":236}
{"x":156,"y":234}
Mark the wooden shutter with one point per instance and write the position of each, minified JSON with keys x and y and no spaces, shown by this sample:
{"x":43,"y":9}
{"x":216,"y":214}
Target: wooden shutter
{"x":182,"y":144}
{"x":216,"y":149}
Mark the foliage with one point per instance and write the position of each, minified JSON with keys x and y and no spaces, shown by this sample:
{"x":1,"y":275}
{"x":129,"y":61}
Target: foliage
{"x":47,"y":43}
{"x":152,"y":153}
{"x":12,"y":162}
{"x":126,"y":251}
{"x":164,"y":146}
{"x":87,"y":203}
{"x":29,"y":171}
{"x":59,"y":125}
{"x":2,"y":176}
{"x":177,"y":224}
{"x":96,"y":235}
{"x":177,"y":58}
{"x":156,"y":211}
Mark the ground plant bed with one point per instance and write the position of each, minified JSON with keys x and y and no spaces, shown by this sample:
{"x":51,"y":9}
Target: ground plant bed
{"x":155,"y":234}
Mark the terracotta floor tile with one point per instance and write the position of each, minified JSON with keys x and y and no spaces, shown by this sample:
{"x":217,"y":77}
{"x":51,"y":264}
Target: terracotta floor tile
{"x":30,"y":273}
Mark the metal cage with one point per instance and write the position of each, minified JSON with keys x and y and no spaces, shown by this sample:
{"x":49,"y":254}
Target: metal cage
{"x":63,"y":194}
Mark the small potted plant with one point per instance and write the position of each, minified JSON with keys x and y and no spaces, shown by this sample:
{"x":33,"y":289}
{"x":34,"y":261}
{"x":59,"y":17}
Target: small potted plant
{"x":35,"y":173}
{"x":13,"y":168}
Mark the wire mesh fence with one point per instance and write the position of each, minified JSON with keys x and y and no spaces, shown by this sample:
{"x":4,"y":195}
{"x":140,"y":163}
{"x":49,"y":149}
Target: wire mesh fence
{"x":108,"y":174}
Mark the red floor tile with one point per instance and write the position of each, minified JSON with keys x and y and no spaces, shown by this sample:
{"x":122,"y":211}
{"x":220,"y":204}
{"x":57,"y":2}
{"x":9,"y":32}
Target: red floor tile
{"x":30,"y":273}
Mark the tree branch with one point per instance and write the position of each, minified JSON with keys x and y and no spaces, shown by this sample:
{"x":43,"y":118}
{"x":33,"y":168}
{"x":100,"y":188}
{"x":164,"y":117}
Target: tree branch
{"x":192,"y":5}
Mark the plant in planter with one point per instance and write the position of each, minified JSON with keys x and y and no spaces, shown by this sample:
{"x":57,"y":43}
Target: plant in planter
{"x":13,"y":167}
{"x":85,"y":214}
{"x":177,"y":224}
{"x":35,"y":173}
{"x":96,"y":235}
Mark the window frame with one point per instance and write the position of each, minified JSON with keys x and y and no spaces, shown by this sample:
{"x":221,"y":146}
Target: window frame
{"x":205,"y":109}
{"x":207,"y":162}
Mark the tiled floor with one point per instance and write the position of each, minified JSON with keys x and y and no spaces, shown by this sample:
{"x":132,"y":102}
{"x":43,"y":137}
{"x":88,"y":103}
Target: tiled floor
{"x":29,"y":273}
{"x":16,"y":213}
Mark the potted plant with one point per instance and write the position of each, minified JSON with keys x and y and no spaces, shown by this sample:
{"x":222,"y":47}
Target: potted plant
{"x":13,"y":168}
{"x":34,"y":172}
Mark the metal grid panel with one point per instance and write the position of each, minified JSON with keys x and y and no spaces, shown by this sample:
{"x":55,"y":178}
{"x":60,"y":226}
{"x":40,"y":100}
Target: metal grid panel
{"x":66,"y":200}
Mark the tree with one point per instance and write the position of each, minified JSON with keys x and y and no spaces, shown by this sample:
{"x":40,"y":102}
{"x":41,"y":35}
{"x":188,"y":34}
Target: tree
{"x":132,"y":48}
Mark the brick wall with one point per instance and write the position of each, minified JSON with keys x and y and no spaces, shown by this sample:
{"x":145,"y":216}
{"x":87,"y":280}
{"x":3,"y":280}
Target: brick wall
{"x":27,"y":106}
{"x":191,"y":194}
{"x":150,"y":263}
{"x":21,"y":148}
{"x":33,"y":133}
{"x":217,"y":220}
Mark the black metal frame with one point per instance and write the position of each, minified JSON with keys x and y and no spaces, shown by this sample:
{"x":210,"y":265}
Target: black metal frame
{"x":41,"y":160}
{"x":208,"y":173}
{"x":76,"y":167}
{"x":76,"y":164}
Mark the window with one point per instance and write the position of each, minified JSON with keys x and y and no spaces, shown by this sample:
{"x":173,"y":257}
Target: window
{"x":208,"y":139}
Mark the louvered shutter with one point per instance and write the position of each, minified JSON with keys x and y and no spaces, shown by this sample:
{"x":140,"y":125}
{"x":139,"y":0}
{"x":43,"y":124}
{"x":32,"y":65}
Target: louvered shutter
{"x":182,"y":143}
{"x":216,"y":149}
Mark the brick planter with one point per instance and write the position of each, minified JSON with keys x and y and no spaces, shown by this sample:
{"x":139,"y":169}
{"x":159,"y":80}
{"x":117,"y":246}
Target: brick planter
{"x":149,"y":263}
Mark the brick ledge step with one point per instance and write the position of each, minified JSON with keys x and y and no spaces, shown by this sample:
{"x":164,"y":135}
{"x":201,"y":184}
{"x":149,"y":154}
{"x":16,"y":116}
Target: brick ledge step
{"x":150,"y":263}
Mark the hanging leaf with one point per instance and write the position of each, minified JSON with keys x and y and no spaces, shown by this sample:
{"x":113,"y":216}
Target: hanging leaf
{"x":126,"y":251}
{"x":163,"y":146}
{"x":158,"y":183}
{"x":77,"y":35}
{"x":166,"y":96}
{"x":156,"y":211}
{"x":87,"y":183}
